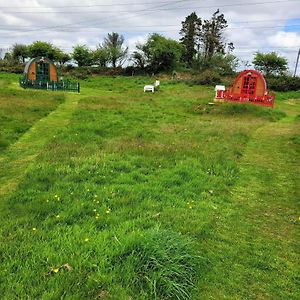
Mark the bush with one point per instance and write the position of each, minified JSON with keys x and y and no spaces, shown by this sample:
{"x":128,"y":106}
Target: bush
{"x":81,"y":72}
{"x":136,"y":71}
{"x":158,"y":264}
{"x":208,"y":77}
{"x":67,"y":68}
{"x":11,"y":67}
{"x":283,"y":83}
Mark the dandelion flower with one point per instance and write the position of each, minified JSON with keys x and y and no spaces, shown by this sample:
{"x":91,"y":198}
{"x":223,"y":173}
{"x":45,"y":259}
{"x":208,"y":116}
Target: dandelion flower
{"x":57,"y":216}
{"x":86,"y":239}
{"x":108,"y":211}
{"x":56,"y":270}
{"x":34,"y":229}
{"x":94,"y":209}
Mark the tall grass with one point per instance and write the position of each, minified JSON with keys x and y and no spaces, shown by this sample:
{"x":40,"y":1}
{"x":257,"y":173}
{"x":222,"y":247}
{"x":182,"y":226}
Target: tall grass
{"x":161,"y":264}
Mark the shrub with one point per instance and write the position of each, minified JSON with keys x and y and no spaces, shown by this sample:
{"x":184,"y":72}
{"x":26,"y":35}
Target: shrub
{"x":283,"y":83}
{"x":81,"y":73}
{"x":158,"y":264}
{"x":208,"y":77}
{"x":67,"y":68}
{"x":11,"y":67}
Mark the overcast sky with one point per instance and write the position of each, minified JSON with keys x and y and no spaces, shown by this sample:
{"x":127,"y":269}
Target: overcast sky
{"x":258,"y":25}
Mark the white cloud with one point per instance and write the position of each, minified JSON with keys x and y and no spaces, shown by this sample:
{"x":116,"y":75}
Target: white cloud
{"x":285,"y":39}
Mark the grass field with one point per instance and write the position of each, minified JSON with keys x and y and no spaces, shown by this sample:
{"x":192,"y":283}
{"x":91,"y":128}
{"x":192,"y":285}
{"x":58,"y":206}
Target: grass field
{"x":117,"y":194}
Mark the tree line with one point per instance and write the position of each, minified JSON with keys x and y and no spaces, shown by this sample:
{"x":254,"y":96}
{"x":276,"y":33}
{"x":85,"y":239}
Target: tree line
{"x":202,"y":45}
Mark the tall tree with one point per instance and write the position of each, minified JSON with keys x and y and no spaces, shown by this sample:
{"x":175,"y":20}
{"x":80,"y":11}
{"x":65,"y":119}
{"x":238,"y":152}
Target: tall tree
{"x":113,"y":44}
{"x":61,"y":57}
{"x":138,"y":57}
{"x":223,"y":64}
{"x":20,"y":52}
{"x":8,"y":57}
{"x":101,"y":56}
{"x":82,"y":55}
{"x":212,"y":35}
{"x":43,"y":49}
{"x":270,"y":63}
{"x":159,"y":53}
{"x":190,"y":32}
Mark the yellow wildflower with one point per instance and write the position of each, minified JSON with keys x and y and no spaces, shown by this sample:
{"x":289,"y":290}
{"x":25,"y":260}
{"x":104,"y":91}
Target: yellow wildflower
{"x":56,"y":270}
{"x":34,"y":229}
{"x":86,"y":239}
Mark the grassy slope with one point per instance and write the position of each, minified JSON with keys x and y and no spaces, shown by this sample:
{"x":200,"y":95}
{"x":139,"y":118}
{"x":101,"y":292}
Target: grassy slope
{"x":129,"y":161}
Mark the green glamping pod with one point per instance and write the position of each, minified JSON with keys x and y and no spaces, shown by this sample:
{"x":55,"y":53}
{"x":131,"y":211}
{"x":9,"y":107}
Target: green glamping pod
{"x":41,"y":73}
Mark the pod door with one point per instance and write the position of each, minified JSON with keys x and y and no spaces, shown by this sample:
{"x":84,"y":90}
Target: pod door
{"x":249,"y":85}
{"x":42,"y":71}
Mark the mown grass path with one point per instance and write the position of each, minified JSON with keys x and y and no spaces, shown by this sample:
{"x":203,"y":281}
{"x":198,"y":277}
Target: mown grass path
{"x":15,"y":161}
{"x":257,"y":239}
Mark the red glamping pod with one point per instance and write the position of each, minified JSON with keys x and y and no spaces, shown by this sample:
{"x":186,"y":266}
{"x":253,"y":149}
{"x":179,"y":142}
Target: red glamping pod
{"x":249,"y":86}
